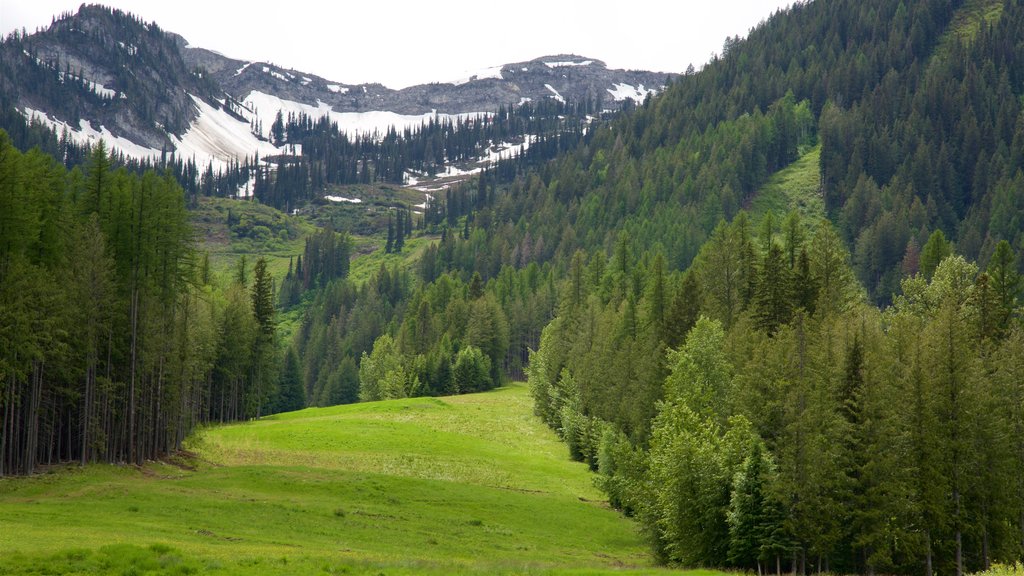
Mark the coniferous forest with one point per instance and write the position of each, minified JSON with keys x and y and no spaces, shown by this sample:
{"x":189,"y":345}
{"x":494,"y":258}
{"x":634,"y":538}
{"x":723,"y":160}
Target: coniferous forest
{"x":805,"y":390}
{"x":116,"y":338}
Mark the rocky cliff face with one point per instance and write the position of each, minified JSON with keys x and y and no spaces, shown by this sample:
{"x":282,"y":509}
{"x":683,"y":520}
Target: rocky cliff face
{"x":108,"y":69}
{"x":566,"y":77}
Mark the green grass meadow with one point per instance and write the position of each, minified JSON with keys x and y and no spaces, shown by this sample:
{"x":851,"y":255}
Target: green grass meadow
{"x":468,"y":484}
{"x":795,"y":187}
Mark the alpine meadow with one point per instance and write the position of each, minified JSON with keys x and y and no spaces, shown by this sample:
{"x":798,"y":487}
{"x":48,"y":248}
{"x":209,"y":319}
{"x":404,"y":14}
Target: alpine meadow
{"x":761,"y":316}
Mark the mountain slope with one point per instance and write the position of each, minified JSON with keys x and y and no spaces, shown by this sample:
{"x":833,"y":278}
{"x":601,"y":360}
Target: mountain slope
{"x":100,"y":73}
{"x":567,"y":76}
{"x":422,"y":485}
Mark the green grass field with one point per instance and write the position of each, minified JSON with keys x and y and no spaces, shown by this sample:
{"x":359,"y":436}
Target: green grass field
{"x":795,"y":187}
{"x":468,"y":484}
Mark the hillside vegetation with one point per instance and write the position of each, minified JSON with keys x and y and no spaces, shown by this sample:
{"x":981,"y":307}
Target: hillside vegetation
{"x":469,"y":484}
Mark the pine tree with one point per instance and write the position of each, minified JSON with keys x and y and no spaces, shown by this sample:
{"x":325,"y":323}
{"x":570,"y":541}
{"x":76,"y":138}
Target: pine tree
{"x":1005,"y":282}
{"x":263,"y":297}
{"x":684,"y":310}
{"x":291,"y":394}
{"x":934,"y":251}
{"x":773,"y":304}
{"x":400,"y":226}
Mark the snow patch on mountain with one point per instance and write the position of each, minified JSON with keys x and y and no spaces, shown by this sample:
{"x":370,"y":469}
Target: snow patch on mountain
{"x":101,"y":90}
{"x":568,"y":63}
{"x":246,"y":190}
{"x":351,"y":123}
{"x":623,"y":91}
{"x":492,"y":72}
{"x":343,"y":199}
{"x":556,"y":96}
{"x":506,"y":150}
{"x":337,"y":89}
{"x":217,"y":137}
{"x":426,"y":202}
{"x":86,"y":134}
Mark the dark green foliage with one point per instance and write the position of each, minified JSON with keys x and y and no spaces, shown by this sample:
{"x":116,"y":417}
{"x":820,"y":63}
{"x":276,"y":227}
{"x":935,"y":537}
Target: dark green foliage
{"x":326,"y":257}
{"x":683,"y":311}
{"x":800,"y":439}
{"x":1005,"y":283}
{"x":755,"y":518}
{"x":773,"y":300}
{"x":290,"y":393}
{"x":115,"y":344}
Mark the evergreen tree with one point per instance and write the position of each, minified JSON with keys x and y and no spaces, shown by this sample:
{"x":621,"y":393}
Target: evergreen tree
{"x":773,"y":303}
{"x":933,"y":253}
{"x":291,"y":394}
{"x":1005,"y":282}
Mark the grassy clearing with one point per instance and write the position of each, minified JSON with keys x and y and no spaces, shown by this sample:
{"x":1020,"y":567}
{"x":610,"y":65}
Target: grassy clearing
{"x":371,"y":256}
{"x":968,"y":21}
{"x":796,"y":187}
{"x":469,"y":484}
{"x":255,"y":230}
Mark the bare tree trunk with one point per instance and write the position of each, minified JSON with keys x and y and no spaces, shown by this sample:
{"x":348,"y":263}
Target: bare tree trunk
{"x":986,"y":565}
{"x":8,"y":423}
{"x":32,"y":439}
{"x":928,"y":553}
{"x":90,"y":385}
{"x":958,"y":534}
{"x":131,"y":386}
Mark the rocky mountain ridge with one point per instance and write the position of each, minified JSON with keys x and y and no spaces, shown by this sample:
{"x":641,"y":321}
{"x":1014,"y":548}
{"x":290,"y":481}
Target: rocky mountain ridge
{"x":103,"y":74}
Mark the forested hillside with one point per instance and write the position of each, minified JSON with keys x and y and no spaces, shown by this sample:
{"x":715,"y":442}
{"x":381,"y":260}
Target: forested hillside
{"x":733,"y":381}
{"x":833,"y":391}
{"x":115,"y":337}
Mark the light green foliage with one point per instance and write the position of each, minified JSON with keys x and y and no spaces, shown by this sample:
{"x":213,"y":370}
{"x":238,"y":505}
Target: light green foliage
{"x":694,"y":452}
{"x":382,"y":374}
{"x":935,"y":250}
{"x":472,"y":370}
{"x":700,"y":374}
{"x":830,"y":267}
{"x":794,"y":189}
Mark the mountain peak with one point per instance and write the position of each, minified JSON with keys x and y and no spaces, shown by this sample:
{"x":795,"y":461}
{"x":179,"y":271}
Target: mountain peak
{"x":104,"y":73}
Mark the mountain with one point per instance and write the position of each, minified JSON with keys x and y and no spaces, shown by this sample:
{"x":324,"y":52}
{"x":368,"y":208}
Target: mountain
{"x":568,"y":77}
{"x":101,"y":73}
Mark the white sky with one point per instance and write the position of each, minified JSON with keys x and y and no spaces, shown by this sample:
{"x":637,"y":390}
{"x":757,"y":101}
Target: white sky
{"x":404,"y":43}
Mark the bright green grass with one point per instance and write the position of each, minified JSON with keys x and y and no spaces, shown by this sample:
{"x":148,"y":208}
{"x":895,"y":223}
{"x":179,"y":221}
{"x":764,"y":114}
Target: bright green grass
{"x":795,"y":187}
{"x":968,"y":21}
{"x":366,"y":265}
{"x":468,"y":484}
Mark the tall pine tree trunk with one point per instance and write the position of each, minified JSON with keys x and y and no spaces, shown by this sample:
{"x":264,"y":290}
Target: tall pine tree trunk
{"x":958,"y":533}
{"x":132,"y":377}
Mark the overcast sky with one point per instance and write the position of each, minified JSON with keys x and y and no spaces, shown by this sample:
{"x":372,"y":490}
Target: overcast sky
{"x":403,"y":43}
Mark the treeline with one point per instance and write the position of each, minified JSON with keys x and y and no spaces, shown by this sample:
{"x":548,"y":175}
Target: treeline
{"x":332,"y":157}
{"x":116,"y":340}
{"x":195,"y":180}
{"x":755,"y":412}
{"x":434,"y":331}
